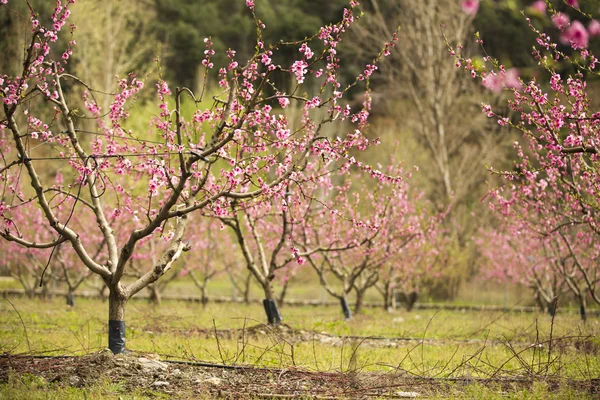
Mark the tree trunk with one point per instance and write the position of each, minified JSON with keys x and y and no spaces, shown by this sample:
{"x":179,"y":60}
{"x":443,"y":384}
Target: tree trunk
{"x":552,"y":305}
{"x":204,"y":298}
{"x":271,"y":310}
{"x":247,"y":287}
{"x":360,"y":299}
{"x":116,"y":321}
{"x":345,"y":308}
{"x":29,"y":292}
{"x":283,"y":293}
{"x":582,"y":312}
{"x":45,"y":291}
{"x":411,"y":299}
{"x":386,"y":301}
{"x":539,"y":301}
{"x":389,"y":303}
{"x":154,"y":298}
{"x":71,"y":298}
{"x":201,"y":285}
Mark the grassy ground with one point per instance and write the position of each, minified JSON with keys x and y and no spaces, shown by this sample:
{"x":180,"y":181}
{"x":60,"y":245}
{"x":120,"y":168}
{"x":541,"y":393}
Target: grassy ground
{"x":307,"y":287}
{"x":426,"y":343}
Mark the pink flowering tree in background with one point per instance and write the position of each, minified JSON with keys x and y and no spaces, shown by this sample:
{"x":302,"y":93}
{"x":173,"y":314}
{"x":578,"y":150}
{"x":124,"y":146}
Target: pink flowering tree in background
{"x":552,"y":213}
{"x":214,"y":254}
{"x":266,"y":231}
{"x":238,"y":151}
{"x":358,"y":228}
{"x":27,"y":264}
{"x":262,"y":233}
{"x":552,"y":195}
{"x":521,"y":258}
{"x":32,"y":266}
{"x":64,"y":272}
{"x":548,"y":212}
{"x":549,"y":265}
{"x":421,"y":259}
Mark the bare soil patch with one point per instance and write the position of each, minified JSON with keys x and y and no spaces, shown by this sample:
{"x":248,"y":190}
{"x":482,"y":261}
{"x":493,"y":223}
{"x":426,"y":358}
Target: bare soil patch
{"x":197,"y":380}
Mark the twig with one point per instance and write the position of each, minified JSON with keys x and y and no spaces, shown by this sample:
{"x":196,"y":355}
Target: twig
{"x":218,"y":343}
{"x":22,"y":323}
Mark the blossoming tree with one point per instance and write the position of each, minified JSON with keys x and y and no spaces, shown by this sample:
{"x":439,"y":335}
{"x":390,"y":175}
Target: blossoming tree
{"x":26,"y":264}
{"x":357,"y":232}
{"x":238,"y":150}
{"x":553,"y":192}
{"x":550,"y":265}
{"x":214,"y":254}
{"x":423,"y":257}
{"x":32,"y":266}
{"x":266,"y":231}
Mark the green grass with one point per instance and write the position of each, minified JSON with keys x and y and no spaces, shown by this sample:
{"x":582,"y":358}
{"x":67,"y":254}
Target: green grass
{"x":455,"y":343}
{"x":539,"y":391}
{"x":7,"y":282}
{"x":54,"y":328}
{"x":307,"y":287}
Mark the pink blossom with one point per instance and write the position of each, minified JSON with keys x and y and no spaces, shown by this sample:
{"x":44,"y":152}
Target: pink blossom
{"x":492,"y":81}
{"x":470,"y":6}
{"x":304,"y":49}
{"x":250,"y":4}
{"x":299,"y":69}
{"x":594,"y":27}
{"x":283,"y":134}
{"x":496,"y":81}
{"x":561,"y":20}
{"x":572,"y":3}
{"x":265,"y":59}
{"x":511,"y":79}
{"x":284,"y":102}
{"x":314,"y":102}
{"x":487,"y":110}
{"x":539,"y":6}
{"x":576,"y":35}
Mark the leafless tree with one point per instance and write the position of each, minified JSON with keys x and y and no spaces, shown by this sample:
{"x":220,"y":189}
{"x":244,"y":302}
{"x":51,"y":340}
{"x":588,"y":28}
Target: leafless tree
{"x":430,"y":96}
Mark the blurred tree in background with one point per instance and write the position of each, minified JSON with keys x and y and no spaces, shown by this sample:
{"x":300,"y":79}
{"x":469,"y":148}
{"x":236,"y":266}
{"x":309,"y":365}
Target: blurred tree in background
{"x":111,"y":46}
